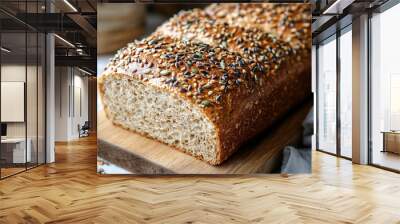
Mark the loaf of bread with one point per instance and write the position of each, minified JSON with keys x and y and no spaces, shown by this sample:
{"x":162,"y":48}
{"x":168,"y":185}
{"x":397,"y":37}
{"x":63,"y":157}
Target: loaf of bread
{"x":204,"y":86}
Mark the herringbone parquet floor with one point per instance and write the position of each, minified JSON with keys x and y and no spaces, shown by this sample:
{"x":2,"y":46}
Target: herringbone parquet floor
{"x":70,"y":191}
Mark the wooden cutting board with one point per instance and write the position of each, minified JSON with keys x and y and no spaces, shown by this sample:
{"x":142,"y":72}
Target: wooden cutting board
{"x":142,"y":155}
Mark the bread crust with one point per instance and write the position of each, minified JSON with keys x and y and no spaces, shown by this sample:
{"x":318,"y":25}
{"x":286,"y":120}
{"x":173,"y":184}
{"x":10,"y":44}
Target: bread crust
{"x":290,"y":22}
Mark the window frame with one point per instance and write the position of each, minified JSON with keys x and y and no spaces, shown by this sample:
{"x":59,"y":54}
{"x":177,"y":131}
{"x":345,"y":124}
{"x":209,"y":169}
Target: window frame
{"x":378,"y":10}
{"x":339,"y":32}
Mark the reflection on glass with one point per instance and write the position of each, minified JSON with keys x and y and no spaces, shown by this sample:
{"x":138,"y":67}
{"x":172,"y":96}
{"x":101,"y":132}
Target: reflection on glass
{"x":345,"y":94}
{"x":385,"y":89}
{"x":327,"y":96}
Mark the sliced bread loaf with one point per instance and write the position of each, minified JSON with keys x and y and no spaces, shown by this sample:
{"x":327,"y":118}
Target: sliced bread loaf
{"x":204,"y":86}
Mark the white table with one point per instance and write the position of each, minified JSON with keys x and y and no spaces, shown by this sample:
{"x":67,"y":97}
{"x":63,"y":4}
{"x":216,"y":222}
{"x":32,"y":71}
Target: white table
{"x":18,"y":149}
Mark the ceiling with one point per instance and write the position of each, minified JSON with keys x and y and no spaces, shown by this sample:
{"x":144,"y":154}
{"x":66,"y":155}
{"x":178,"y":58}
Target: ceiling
{"x":331,"y":15}
{"x":74,"y":22}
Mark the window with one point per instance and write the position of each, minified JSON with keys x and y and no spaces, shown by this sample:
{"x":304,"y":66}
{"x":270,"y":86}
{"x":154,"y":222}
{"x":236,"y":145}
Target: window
{"x":346,"y":92}
{"x":327,"y":95}
{"x":385,"y":89}
{"x":334,"y":106}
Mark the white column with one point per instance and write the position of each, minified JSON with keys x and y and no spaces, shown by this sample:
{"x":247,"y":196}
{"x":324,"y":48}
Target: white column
{"x":360,"y":90}
{"x":50,"y":100}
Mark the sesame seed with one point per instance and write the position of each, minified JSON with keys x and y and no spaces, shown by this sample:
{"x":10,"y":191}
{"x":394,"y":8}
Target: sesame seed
{"x":165,"y":72}
{"x":205,"y":103}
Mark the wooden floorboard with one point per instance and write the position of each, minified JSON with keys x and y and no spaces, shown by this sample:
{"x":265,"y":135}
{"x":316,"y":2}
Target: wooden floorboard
{"x":70,"y":191}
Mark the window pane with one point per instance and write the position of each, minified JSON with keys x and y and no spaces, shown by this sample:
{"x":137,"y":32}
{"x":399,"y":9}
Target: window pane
{"x":31,"y":98}
{"x":345,"y":94}
{"x":385,"y":92}
{"x":327,"y":96}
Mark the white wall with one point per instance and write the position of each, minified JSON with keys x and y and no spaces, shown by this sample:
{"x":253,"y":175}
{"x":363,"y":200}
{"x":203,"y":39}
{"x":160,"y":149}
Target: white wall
{"x":80,"y":84}
{"x":62,"y":82}
{"x":70,"y":83}
{"x":16,"y":72}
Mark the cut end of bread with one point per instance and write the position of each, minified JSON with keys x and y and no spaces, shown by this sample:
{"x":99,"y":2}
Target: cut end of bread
{"x":153,"y":112}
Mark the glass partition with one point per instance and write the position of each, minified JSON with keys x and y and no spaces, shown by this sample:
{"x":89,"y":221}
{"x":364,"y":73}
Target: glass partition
{"x":385,"y":89}
{"x":14,"y":153}
{"x":32,"y":98}
{"x":327,"y":95}
{"x":22,"y":101}
{"x":346,"y":92}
